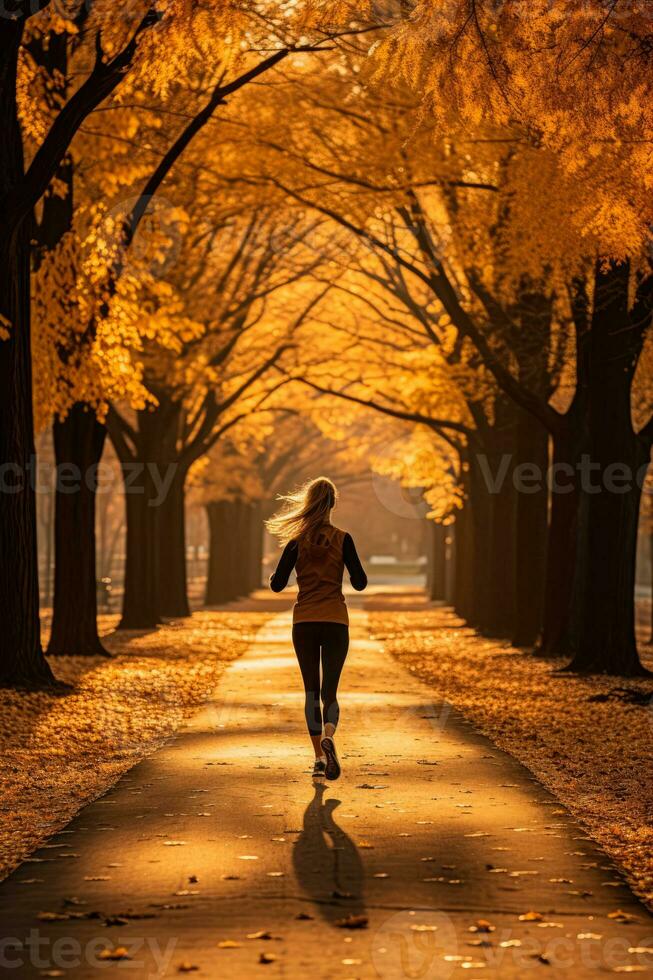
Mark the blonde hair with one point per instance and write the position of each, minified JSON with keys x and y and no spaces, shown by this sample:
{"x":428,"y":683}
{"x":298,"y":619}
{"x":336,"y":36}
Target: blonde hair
{"x":306,"y":511}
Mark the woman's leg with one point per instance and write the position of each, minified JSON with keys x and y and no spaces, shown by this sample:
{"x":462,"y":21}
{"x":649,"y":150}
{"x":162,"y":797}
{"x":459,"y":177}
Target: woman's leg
{"x":335,"y":644}
{"x":306,"y":641}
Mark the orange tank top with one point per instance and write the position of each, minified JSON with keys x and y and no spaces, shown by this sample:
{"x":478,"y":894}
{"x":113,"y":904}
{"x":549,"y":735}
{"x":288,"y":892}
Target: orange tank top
{"x":319,"y":568}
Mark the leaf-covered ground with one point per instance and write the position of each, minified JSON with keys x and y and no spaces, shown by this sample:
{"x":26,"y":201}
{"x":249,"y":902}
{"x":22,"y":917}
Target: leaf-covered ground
{"x":59,"y":752}
{"x":581,"y":736}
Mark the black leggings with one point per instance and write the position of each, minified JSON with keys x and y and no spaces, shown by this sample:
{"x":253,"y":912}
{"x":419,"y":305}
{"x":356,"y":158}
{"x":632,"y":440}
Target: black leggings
{"x":332,"y":639}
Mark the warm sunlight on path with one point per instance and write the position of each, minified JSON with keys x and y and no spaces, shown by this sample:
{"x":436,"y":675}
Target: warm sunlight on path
{"x":462,"y":864}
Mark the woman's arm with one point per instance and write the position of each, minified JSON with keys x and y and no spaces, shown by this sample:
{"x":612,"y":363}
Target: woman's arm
{"x":279,"y":579}
{"x":357,"y":575}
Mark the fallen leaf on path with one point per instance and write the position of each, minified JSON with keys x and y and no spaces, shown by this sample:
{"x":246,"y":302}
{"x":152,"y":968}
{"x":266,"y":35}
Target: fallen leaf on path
{"x":381,"y":874}
{"x":248,"y":857}
{"x":353,"y":922}
{"x":531,"y":917}
{"x":372,"y":786}
{"x":229,"y":944}
{"x":304,"y":916}
{"x":422,"y":928}
{"x":175,"y":843}
{"x":115,"y":920}
{"x":230,"y":877}
{"x":267,"y":958}
{"x":275,"y":874}
{"x":187,"y":968}
{"x":261,"y":934}
{"x":621,"y":916}
{"x":119,"y":953}
{"x":482,"y":925}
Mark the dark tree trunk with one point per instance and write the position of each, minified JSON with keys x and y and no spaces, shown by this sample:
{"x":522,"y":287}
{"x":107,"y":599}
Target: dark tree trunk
{"x":437,"y":567}
{"x":464,"y":559}
{"x":258,"y":547}
{"x":531,"y":530}
{"x":555,"y":639}
{"x":500,"y":582}
{"x":172,"y":549}
{"x":610,"y":500}
{"x":214,"y":570}
{"x":221,"y":581}
{"x":605,"y":641}
{"x":78,"y":442}
{"x":241,"y":569}
{"x":141,"y":608}
{"x":154,"y":505}
{"x":650,"y":552}
{"x":450,"y":564}
{"x":21,"y":657}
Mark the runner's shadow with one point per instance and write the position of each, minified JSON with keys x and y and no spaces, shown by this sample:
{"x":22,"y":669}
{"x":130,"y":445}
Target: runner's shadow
{"x":327,"y":864}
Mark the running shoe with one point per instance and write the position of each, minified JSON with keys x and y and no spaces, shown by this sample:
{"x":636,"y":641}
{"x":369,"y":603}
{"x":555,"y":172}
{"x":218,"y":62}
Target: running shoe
{"x":332,"y":763}
{"x":319,"y":768}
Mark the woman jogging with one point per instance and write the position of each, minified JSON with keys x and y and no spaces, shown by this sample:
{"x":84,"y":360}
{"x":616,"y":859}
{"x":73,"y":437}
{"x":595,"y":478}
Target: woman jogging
{"x":319,"y":552}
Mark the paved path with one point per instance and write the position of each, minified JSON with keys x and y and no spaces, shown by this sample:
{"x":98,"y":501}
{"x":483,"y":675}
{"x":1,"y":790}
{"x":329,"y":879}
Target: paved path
{"x":461,"y":862}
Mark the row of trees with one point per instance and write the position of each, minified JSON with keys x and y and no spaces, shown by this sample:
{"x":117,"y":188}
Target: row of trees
{"x":120,"y":347}
{"x":432,"y":220}
{"x":498,"y":292}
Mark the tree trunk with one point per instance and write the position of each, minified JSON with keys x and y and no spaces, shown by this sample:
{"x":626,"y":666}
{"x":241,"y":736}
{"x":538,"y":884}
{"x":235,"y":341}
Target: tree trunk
{"x":78,"y":442}
{"x":220,"y":583}
{"x":241,"y":568}
{"x":437,"y":535}
{"x":500,"y":582}
{"x":606,"y":640}
{"x":555,"y":639}
{"x":650,"y":551}
{"x":21,"y":657}
{"x":464,"y":560}
{"x":141,"y":599}
{"x":531,"y":530}
{"x":257,"y":565}
{"x":610,"y":500}
{"x":172,"y":550}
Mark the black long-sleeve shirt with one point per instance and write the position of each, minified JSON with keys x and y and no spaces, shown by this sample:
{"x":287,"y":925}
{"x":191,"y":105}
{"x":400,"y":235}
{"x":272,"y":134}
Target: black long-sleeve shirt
{"x":357,"y":577}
